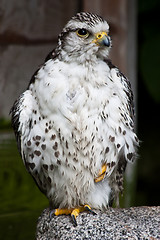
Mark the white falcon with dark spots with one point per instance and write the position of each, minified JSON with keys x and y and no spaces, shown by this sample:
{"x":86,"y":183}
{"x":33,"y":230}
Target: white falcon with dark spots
{"x":75,"y":122}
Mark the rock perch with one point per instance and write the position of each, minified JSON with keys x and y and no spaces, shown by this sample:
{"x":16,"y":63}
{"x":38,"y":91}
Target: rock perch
{"x":135,"y":223}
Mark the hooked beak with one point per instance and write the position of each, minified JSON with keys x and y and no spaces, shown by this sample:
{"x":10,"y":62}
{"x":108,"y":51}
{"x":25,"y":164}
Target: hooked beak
{"x":101,"y":39}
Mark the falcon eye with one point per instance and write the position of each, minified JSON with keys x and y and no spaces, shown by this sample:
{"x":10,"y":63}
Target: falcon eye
{"x":82,"y":32}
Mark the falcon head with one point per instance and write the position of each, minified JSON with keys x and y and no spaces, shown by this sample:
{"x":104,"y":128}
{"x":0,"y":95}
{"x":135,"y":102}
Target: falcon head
{"x":85,"y":37}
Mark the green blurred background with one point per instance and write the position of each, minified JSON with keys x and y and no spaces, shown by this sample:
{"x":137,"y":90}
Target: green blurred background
{"x":21,"y":202}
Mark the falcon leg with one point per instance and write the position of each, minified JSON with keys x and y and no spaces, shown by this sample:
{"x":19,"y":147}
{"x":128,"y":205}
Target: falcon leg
{"x":101,"y":174}
{"x":73,"y":211}
{"x":62,"y":211}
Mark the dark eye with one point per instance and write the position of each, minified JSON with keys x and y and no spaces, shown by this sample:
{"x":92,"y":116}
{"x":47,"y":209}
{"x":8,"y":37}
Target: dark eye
{"x":82,"y":32}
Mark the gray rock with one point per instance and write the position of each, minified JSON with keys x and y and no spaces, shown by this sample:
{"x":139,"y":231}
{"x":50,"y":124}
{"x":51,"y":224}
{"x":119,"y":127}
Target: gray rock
{"x":132,"y":223}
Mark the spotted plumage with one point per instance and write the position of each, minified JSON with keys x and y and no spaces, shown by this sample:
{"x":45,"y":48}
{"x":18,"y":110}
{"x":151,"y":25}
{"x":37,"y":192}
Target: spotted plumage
{"x":76,"y":115}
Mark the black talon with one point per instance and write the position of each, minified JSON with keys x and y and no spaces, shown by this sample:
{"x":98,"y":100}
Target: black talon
{"x":74,"y":220}
{"x":51,"y":213}
{"x":90,"y":210}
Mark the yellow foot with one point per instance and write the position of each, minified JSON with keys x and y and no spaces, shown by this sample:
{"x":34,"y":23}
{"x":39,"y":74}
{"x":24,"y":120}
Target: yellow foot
{"x":101,"y":174}
{"x":73,"y":211}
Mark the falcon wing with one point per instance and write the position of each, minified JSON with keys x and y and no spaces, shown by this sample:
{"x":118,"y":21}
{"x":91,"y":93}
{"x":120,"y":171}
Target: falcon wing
{"x":21,"y":112}
{"x":21,"y":118}
{"x":126,"y":88}
{"x":127,"y":138}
